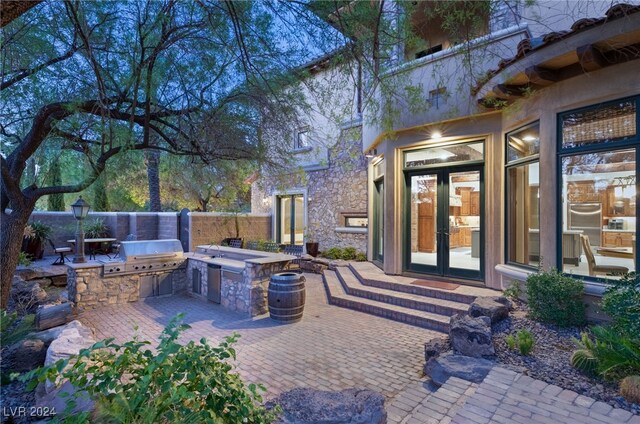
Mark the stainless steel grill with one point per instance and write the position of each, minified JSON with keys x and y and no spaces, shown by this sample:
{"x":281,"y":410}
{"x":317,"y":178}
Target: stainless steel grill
{"x":146,"y":256}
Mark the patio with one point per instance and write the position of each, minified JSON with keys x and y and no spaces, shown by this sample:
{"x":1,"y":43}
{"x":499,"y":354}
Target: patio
{"x":332,"y":348}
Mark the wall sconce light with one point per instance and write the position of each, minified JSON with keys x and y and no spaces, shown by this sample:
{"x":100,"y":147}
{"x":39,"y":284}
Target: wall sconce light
{"x":436,"y":135}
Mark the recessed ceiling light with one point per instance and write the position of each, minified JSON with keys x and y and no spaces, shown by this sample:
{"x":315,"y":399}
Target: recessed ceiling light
{"x":529,"y":138}
{"x":436,"y":135}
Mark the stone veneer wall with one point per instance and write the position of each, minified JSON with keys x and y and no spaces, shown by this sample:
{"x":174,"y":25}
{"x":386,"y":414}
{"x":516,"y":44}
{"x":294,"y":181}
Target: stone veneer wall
{"x":89,"y":289}
{"x":340,"y":188}
{"x":244,"y":292}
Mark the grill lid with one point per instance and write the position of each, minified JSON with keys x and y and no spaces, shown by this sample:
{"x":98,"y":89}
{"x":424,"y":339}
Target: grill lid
{"x":150,"y":249}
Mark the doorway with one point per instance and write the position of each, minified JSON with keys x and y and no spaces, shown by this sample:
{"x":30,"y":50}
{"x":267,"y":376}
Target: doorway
{"x":444,"y":217}
{"x":290,"y":219}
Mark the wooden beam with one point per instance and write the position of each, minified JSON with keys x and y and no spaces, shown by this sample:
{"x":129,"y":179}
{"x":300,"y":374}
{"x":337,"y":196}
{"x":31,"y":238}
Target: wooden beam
{"x":542,"y":76}
{"x":590,"y":58}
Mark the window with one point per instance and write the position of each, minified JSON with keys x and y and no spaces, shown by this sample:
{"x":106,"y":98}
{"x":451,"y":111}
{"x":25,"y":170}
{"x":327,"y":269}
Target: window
{"x":447,"y":154}
{"x":302,"y":139}
{"x":598,"y":165}
{"x":356,"y":221}
{"x":523,"y":194}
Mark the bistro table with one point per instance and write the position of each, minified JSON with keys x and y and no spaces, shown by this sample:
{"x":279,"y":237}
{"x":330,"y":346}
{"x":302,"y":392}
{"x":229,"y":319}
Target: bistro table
{"x":95,"y":245}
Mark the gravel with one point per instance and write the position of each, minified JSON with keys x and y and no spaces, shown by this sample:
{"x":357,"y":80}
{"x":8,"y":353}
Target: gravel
{"x":550,"y":359}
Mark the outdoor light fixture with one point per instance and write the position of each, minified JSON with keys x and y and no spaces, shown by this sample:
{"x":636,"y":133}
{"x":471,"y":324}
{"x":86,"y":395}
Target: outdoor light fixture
{"x":80,"y":211}
{"x":529,"y":138}
{"x":436,"y":135}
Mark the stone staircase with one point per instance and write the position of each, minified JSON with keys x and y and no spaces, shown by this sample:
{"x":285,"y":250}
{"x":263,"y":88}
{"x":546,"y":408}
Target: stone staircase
{"x":356,"y":287}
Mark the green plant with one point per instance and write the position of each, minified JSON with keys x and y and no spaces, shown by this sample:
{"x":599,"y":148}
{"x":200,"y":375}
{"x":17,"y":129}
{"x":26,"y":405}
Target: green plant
{"x":523,"y":341}
{"x":630,"y":388}
{"x":621,"y":301}
{"x":607,"y":353}
{"x":195,"y":382}
{"x":333,"y":253}
{"x":514,"y":291}
{"x":96,"y":228}
{"x":349,"y":253}
{"x":13,"y":330}
{"x":555,"y":298}
{"x":24,"y":259}
{"x":361,"y":257}
{"x":40,"y":231}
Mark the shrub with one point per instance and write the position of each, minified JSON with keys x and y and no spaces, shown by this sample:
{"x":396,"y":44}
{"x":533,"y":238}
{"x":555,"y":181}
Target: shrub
{"x":607,"y":353}
{"x":13,"y":330}
{"x":523,"y":341}
{"x":24,"y":259}
{"x":349,"y":253}
{"x":333,"y":253}
{"x":40,"y":231}
{"x":555,"y":298}
{"x":361,"y":257}
{"x":621,"y":301}
{"x":514,"y":291}
{"x":630,"y":388}
{"x":96,"y":228}
{"x":195,"y":382}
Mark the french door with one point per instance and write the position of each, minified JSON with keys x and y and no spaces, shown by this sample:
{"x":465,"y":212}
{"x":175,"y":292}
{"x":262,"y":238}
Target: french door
{"x":290,"y":219}
{"x":444,"y":220}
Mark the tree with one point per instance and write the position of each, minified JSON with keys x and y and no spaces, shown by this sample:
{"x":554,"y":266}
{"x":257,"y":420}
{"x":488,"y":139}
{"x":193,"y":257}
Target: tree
{"x":105,"y":78}
{"x":56,"y":201}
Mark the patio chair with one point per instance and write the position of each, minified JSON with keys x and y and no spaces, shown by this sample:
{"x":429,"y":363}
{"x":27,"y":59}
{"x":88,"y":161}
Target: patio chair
{"x":594,"y":268}
{"x":237,"y":243}
{"x":62,"y":251}
{"x":294,"y":250}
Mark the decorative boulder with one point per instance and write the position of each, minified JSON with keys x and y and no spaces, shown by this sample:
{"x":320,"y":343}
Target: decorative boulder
{"x":24,"y":356}
{"x":435,"y":347}
{"x":27,"y":294}
{"x":451,"y":365}
{"x":496,"y":308}
{"x":351,"y":406}
{"x":471,"y":336}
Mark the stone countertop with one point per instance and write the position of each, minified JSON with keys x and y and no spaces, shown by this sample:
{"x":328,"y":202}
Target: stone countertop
{"x":226,"y":264}
{"x":611,"y":230}
{"x":252,"y":256}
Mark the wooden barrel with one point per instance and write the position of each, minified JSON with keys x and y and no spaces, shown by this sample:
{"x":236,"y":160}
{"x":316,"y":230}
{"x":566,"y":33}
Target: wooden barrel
{"x":286,"y":297}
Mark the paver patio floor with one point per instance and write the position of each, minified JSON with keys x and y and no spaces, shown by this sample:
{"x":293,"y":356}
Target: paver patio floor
{"x":332,"y":348}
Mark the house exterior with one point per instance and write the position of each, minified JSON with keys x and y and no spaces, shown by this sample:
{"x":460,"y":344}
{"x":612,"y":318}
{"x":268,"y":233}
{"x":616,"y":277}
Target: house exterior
{"x":526,"y":154}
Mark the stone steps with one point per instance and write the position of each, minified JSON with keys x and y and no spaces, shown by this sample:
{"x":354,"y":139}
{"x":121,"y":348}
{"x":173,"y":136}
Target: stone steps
{"x":353,"y":286}
{"x":362,"y":270}
{"x":339,"y":297}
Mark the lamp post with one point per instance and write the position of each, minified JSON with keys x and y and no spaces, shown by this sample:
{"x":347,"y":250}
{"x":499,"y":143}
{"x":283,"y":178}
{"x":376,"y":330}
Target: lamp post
{"x":80,"y":210}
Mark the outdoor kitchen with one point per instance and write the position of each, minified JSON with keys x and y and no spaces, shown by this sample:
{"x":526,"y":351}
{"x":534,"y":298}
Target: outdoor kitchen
{"x":235,"y":278}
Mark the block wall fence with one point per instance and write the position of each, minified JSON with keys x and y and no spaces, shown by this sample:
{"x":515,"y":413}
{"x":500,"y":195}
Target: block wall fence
{"x":196,"y":228}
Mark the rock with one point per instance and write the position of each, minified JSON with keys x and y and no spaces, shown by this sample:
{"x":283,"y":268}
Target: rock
{"x":24,"y":356}
{"x":310,"y":266}
{"x":69,"y":342}
{"x":306,"y":257}
{"x":36,"y":273}
{"x":59,"y":280}
{"x":57,"y":399}
{"x":351,"y":406}
{"x":47,"y":336}
{"x":471,"y":336}
{"x":451,"y":365}
{"x":322,"y":261}
{"x":27,"y":294}
{"x":435,"y":347}
{"x":495,"y":307}
{"x":42,"y":282}
{"x":63,"y":296}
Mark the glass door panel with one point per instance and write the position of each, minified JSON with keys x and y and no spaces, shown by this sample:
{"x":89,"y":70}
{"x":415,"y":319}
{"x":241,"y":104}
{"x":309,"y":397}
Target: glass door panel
{"x":291,"y":219}
{"x":464,"y":221}
{"x":298,"y":223}
{"x":423,"y":229}
{"x":378,"y":221}
{"x":285,"y":220}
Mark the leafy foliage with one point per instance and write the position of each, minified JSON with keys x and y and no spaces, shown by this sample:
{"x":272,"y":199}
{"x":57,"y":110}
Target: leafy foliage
{"x":605,"y":352}
{"x":348,"y":254}
{"x":621,"y":301}
{"x":514,"y":291}
{"x":40,"y":230}
{"x":12,"y":329}
{"x":24,"y":259}
{"x":555,"y":298}
{"x":96,"y":228}
{"x":188,"y":383}
{"x":523,"y":341}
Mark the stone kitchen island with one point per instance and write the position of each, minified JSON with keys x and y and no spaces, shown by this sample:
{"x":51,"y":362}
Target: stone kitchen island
{"x":238,"y":279}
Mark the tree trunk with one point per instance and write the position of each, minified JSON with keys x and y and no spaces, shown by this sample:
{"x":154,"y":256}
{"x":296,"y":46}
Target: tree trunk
{"x":153,"y":176}
{"x":202,"y":204}
{"x":12,"y":232}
